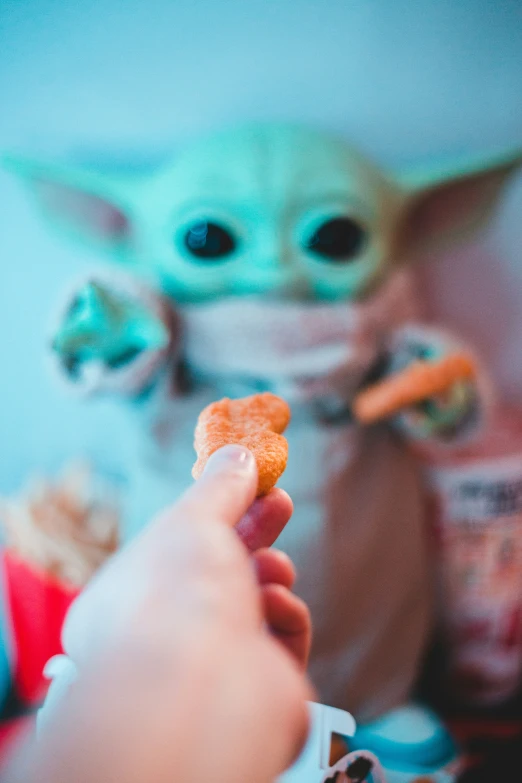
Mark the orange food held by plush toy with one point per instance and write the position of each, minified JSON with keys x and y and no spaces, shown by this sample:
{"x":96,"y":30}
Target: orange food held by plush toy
{"x":418,"y":382}
{"x":256,"y":422}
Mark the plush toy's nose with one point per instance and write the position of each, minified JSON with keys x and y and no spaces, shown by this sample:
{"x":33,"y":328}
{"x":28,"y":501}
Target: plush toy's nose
{"x":275,"y":282}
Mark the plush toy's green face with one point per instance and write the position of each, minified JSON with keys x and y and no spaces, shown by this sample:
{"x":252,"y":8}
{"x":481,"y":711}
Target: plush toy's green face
{"x":275,"y":211}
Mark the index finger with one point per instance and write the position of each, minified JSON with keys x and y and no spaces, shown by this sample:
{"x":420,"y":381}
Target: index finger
{"x":263,"y":522}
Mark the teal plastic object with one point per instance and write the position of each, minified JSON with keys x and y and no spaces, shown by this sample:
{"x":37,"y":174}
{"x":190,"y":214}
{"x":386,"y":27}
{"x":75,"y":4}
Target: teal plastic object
{"x":408,"y":740}
{"x":5,"y":648}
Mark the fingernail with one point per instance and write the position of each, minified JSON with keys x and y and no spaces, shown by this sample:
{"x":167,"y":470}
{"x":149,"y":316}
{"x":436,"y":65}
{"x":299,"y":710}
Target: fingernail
{"x":231,"y":456}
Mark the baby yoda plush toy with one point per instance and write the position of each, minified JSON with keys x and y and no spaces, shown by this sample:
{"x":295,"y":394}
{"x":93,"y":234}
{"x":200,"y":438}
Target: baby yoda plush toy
{"x":273,"y":257}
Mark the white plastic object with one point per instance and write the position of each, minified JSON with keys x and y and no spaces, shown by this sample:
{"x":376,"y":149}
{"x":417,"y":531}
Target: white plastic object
{"x":313,"y":765}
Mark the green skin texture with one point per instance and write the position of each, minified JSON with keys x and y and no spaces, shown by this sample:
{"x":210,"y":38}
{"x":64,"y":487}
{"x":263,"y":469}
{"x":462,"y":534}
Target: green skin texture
{"x":272,"y":185}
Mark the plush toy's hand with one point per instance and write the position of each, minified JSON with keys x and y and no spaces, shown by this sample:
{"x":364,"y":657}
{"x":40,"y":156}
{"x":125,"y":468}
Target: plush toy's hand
{"x":451,"y":413}
{"x":421,"y":382}
{"x":107,"y":327}
{"x":443,"y":415}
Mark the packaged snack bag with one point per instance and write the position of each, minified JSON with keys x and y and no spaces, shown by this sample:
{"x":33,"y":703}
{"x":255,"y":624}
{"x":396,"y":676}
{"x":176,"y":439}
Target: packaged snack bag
{"x":476,"y":495}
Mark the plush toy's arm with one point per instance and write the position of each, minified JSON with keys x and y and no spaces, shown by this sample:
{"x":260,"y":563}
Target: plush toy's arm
{"x":114,"y":335}
{"x":456,"y":414}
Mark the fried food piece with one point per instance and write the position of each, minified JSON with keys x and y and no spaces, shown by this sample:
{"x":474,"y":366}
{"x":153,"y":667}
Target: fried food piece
{"x":418,"y":382}
{"x":255,"y":422}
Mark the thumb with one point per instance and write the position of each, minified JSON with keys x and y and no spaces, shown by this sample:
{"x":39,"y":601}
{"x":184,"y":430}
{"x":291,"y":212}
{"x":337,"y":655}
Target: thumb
{"x":223,"y":494}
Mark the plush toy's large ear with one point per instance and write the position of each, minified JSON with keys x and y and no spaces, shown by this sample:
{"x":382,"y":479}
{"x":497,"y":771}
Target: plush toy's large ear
{"x":93,"y":207}
{"x":447,"y":203}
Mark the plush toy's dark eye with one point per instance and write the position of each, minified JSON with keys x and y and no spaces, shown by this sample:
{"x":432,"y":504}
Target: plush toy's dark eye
{"x":207,"y":240}
{"x":337,"y":240}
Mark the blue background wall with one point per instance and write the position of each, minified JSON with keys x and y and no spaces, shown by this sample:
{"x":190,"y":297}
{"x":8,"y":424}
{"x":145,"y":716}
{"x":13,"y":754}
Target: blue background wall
{"x":404,"y":79}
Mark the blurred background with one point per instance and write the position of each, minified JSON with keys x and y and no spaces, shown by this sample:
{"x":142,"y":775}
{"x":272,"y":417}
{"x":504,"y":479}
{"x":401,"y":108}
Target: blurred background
{"x":405,"y":80}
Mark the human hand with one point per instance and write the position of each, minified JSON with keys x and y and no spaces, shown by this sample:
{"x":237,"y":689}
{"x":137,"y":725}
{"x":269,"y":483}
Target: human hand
{"x":177,"y":675}
{"x":285,"y":615}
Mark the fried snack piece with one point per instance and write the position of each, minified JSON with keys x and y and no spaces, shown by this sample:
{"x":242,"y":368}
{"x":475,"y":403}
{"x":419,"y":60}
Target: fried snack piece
{"x":418,"y":382}
{"x":255,"y":422}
